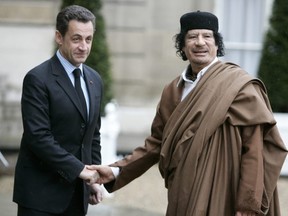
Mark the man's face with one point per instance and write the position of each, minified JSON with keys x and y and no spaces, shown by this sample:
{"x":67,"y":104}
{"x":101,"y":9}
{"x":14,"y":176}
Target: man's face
{"x":200,"y":48}
{"x":75,"y":45}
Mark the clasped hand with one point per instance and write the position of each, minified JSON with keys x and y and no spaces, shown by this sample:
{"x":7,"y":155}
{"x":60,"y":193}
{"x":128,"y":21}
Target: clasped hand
{"x":105,"y":173}
{"x":89,"y":176}
{"x":96,"y":194}
{"x":99,"y":174}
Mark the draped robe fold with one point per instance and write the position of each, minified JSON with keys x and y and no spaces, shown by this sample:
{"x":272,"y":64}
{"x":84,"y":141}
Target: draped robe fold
{"x":219,"y":149}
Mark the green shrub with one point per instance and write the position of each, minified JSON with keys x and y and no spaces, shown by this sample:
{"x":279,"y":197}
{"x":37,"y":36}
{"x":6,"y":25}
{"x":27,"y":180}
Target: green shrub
{"x":273,"y":68}
{"x":99,"y":55}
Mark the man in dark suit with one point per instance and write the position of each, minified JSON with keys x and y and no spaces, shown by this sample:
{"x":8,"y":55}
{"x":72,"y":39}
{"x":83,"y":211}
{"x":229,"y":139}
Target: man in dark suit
{"x":61,"y":131}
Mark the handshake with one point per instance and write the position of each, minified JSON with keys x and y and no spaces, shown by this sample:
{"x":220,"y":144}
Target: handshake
{"x":99,"y":174}
{"x":94,"y":176}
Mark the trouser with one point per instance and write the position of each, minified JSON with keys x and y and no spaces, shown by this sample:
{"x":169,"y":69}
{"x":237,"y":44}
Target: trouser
{"x":75,"y":207}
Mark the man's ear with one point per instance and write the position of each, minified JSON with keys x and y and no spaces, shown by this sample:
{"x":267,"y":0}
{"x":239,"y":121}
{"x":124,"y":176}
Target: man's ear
{"x":58,"y":38}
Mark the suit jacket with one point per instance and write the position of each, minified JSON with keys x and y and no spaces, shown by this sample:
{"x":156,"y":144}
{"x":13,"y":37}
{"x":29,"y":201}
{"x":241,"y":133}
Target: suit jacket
{"x":57,"y":140}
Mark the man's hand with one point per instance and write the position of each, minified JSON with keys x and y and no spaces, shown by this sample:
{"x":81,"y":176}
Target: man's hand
{"x":89,"y":176}
{"x":238,"y":213}
{"x":96,"y":194}
{"x":105,"y":173}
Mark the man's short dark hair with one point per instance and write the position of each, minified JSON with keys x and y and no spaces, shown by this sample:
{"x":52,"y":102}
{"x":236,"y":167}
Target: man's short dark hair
{"x":73,"y":12}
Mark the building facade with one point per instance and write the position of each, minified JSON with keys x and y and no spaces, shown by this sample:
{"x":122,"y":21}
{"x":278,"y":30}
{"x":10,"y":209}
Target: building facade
{"x":140,"y":38}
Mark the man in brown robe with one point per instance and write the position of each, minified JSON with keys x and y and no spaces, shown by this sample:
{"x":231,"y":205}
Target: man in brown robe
{"x":214,"y":135}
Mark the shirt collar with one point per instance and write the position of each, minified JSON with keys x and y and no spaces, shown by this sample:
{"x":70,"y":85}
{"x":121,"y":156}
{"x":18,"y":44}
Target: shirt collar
{"x":69,"y":68}
{"x":183,"y":77}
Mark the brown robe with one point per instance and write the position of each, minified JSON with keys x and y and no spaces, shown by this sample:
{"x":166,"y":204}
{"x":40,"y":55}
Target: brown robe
{"x":219,"y":149}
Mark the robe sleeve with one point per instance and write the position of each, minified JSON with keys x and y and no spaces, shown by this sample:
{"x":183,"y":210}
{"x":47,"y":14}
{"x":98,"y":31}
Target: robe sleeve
{"x":251,"y":183}
{"x":141,"y":158}
{"x":262,"y":151}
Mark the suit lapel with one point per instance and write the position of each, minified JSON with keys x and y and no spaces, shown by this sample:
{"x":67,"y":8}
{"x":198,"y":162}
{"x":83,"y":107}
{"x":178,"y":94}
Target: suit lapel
{"x":64,"y":82}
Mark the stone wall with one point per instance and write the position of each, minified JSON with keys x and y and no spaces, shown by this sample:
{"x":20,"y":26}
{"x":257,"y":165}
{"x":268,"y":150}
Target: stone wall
{"x":27,"y":32}
{"x":139,"y":34}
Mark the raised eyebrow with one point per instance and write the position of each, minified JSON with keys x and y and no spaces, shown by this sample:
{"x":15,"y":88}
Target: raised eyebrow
{"x":80,"y":36}
{"x":192,"y":34}
{"x":76,"y":35}
{"x":208,"y":33}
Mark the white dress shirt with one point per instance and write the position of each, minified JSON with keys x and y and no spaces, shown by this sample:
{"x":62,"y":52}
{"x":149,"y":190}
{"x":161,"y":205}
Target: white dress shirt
{"x":189,"y":85}
{"x":69,"y":68}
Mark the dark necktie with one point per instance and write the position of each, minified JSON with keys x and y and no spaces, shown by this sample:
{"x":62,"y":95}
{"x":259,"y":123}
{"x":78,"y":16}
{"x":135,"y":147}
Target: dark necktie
{"x":79,"y":91}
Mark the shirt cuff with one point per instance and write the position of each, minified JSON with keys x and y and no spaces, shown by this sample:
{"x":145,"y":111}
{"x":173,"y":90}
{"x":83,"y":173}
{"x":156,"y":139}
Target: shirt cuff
{"x":115,"y":171}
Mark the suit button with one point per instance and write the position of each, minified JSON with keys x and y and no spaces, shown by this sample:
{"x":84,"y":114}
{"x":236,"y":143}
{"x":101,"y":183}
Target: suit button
{"x":83,"y":125}
{"x":82,"y":132}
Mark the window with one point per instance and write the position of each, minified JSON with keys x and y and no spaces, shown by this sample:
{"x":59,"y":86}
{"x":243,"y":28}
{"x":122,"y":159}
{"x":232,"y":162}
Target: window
{"x":243,"y":25}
